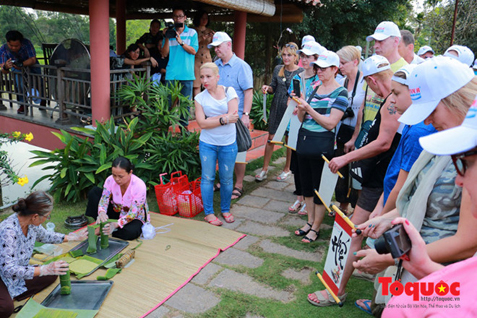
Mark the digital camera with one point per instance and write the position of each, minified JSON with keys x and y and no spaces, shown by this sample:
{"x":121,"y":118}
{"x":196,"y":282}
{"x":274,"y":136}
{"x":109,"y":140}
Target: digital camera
{"x":171,"y":29}
{"x":394,"y":241}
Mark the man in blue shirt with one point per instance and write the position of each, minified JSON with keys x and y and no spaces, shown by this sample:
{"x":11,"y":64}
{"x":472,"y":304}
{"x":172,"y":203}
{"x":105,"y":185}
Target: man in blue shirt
{"x":181,"y":50}
{"x":16,"y":54}
{"x":237,"y":73}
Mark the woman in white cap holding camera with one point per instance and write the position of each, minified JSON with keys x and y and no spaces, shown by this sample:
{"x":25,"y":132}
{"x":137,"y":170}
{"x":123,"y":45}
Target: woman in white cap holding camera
{"x":458,"y":279}
{"x":319,"y":113}
{"x":441,"y":90}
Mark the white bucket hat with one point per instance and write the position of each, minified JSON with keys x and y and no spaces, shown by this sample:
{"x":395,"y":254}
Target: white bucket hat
{"x":384,"y":30}
{"x":454,"y":140}
{"x":432,"y":81}
{"x":375,"y":64}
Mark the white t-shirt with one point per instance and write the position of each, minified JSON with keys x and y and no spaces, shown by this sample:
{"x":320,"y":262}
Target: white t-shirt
{"x":357,"y":100}
{"x":221,"y":135}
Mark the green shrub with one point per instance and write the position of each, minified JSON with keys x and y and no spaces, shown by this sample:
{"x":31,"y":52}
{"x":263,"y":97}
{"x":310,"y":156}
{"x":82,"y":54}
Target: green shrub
{"x":257,"y":110}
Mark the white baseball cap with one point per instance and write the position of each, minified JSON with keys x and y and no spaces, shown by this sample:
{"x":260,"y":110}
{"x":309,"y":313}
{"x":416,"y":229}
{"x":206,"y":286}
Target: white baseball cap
{"x":466,"y":56}
{"x":307,"y":38}
{"x":327,"y":59}
{"x":375,"y":64}
{"x":311,"y":48}
{"x":407,"y":69}
{"x":432,"y":81}
{"x":219,"y":38}
{"x":424,"y":50}
{"x":454,"y":140}
{"x":384,"y":30}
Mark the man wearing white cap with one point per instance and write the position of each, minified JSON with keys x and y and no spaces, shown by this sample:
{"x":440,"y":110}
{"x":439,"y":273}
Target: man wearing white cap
{"x":460,"y":53}
{"x":406,"y":48}
{"x":237,"y":73}
{"x":425,"y":52}
{"x":373,"y":157}
{"x":386,"y":41}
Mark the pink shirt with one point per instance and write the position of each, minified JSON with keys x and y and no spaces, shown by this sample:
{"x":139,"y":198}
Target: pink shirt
{"x":449,"y":305}
{"x":131,"y":206}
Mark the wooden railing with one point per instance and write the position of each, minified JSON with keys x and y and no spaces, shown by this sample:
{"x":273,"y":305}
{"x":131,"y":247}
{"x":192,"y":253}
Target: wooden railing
{"x":62,"y":91}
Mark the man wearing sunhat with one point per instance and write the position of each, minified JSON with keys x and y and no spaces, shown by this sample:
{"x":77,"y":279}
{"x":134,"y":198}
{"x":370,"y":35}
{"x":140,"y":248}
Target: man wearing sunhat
{"x":237,"y":73}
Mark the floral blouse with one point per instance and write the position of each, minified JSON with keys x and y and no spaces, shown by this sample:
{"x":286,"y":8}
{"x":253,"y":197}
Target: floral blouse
{"x":16,"y":250}
{"x":131,"y":206}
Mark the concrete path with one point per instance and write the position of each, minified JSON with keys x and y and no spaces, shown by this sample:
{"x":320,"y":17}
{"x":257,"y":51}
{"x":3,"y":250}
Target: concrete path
{"x":262,"y":214}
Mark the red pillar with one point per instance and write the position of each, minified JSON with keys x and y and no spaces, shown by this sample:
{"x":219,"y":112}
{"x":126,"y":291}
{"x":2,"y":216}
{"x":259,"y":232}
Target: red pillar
{"x":240,"y":21}
{"x":99,"y":40}
{"x":120,"y":26}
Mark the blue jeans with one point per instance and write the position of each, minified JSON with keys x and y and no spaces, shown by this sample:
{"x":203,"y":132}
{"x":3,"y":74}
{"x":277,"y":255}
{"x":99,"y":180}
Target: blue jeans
{"x":21,"y":86}
{"x":209,"y":154}
{"x":186,"y":90}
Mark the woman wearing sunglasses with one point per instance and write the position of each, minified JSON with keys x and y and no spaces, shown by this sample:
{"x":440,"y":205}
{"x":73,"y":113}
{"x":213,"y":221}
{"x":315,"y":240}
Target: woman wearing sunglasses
{"x":281,"y":79}
{"x":461,"y":143}
{"x":18,"y":234}
{"x":441,"y":90}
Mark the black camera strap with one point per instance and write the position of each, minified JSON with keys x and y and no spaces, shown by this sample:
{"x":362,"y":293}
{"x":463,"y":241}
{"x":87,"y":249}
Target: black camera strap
{"x":399,"y":272}
{"x":353,"y":93}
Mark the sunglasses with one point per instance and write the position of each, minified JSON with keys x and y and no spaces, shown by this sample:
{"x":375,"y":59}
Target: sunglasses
{"x":293,"y":46}
{"x":320,"y":68}
{"x":460,"y":163}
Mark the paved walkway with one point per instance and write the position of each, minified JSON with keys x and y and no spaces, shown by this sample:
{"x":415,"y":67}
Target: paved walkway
{"x":262,"y":214}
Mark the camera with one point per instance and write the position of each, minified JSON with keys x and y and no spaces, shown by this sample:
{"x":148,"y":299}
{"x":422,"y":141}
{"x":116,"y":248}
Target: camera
{"x":171,"y":29}
{"x":348,"y":113}
{"x":394,"y":241}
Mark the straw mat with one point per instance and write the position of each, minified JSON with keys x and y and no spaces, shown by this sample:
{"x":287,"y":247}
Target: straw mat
{"x":162,"y":265}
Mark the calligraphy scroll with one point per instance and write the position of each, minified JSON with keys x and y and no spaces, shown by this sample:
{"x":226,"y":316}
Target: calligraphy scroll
{"x":337,"y":253}
{"x":295,"y":125}
{"x":241,"y":157}
{"x":277,"y":139}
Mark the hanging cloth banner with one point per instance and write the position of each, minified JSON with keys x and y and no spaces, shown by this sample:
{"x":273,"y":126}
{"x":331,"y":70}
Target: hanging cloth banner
{"x":277,"y":139}
{"x":295,"y":125}
{"x":337,"y":254}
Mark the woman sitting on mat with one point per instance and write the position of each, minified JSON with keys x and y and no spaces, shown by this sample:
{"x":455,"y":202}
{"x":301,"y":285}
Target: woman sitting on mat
{"x":18,"y":234}
{"x":216,"y":112}
{"x":122,"y":198}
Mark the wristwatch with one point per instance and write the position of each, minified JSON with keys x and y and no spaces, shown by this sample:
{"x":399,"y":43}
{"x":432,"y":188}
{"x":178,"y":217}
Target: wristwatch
{"x":181,"y":44}
{"x":246,"y":113}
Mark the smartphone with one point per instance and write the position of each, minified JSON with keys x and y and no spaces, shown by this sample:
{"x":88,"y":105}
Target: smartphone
{"x":296,"y":87}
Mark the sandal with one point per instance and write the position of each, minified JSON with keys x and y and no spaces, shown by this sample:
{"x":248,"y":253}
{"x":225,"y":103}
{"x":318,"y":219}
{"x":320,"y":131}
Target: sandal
{"x":237,"y":193}
{"x":216,"y":187}
{"x":301,"y":232}
{"x":310,"y":240}
{"x":324,"y":302}
{"x":295,"y":207}
{"x":261,"y":176}
{"x":229,"y":218}
{"x":303,"y":210}
{"x":284,"y":175}
{"x":215,"y":222}
{"x":366,"y":303}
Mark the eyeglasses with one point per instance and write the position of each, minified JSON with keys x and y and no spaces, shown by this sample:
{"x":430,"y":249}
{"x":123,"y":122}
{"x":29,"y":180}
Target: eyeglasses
{"x":47,"y":216}
{"x":178,"y":16}
{"x":304,"y":56}
{"x":460,"y":163}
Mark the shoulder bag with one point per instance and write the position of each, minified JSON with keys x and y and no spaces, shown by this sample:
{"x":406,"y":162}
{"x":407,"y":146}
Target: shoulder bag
{"x":243,"y":138}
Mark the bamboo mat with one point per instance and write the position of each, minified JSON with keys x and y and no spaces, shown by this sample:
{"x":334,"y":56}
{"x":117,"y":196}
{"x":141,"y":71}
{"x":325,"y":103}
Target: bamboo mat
{"x":162,"y":265}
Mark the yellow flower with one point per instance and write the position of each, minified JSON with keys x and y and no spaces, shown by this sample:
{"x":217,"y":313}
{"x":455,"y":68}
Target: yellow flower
{"x":22,"y":181}
{"x":16,"y":134}
{"x":29,"y":137}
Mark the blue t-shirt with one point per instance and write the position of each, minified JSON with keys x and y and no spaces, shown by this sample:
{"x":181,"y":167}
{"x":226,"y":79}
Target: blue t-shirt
{"x":181,"y":64}
{"x":406,"y":154}
{"x":238,"y":74}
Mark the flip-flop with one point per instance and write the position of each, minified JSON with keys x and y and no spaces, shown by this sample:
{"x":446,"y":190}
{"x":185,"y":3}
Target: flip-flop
{"x":325,"y":302}
{"x":303,"y":210}
{"x":368,"y":307}
{"x":215,"y":221}
{"x":229,"y":219}
{"x":237,"y":192}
